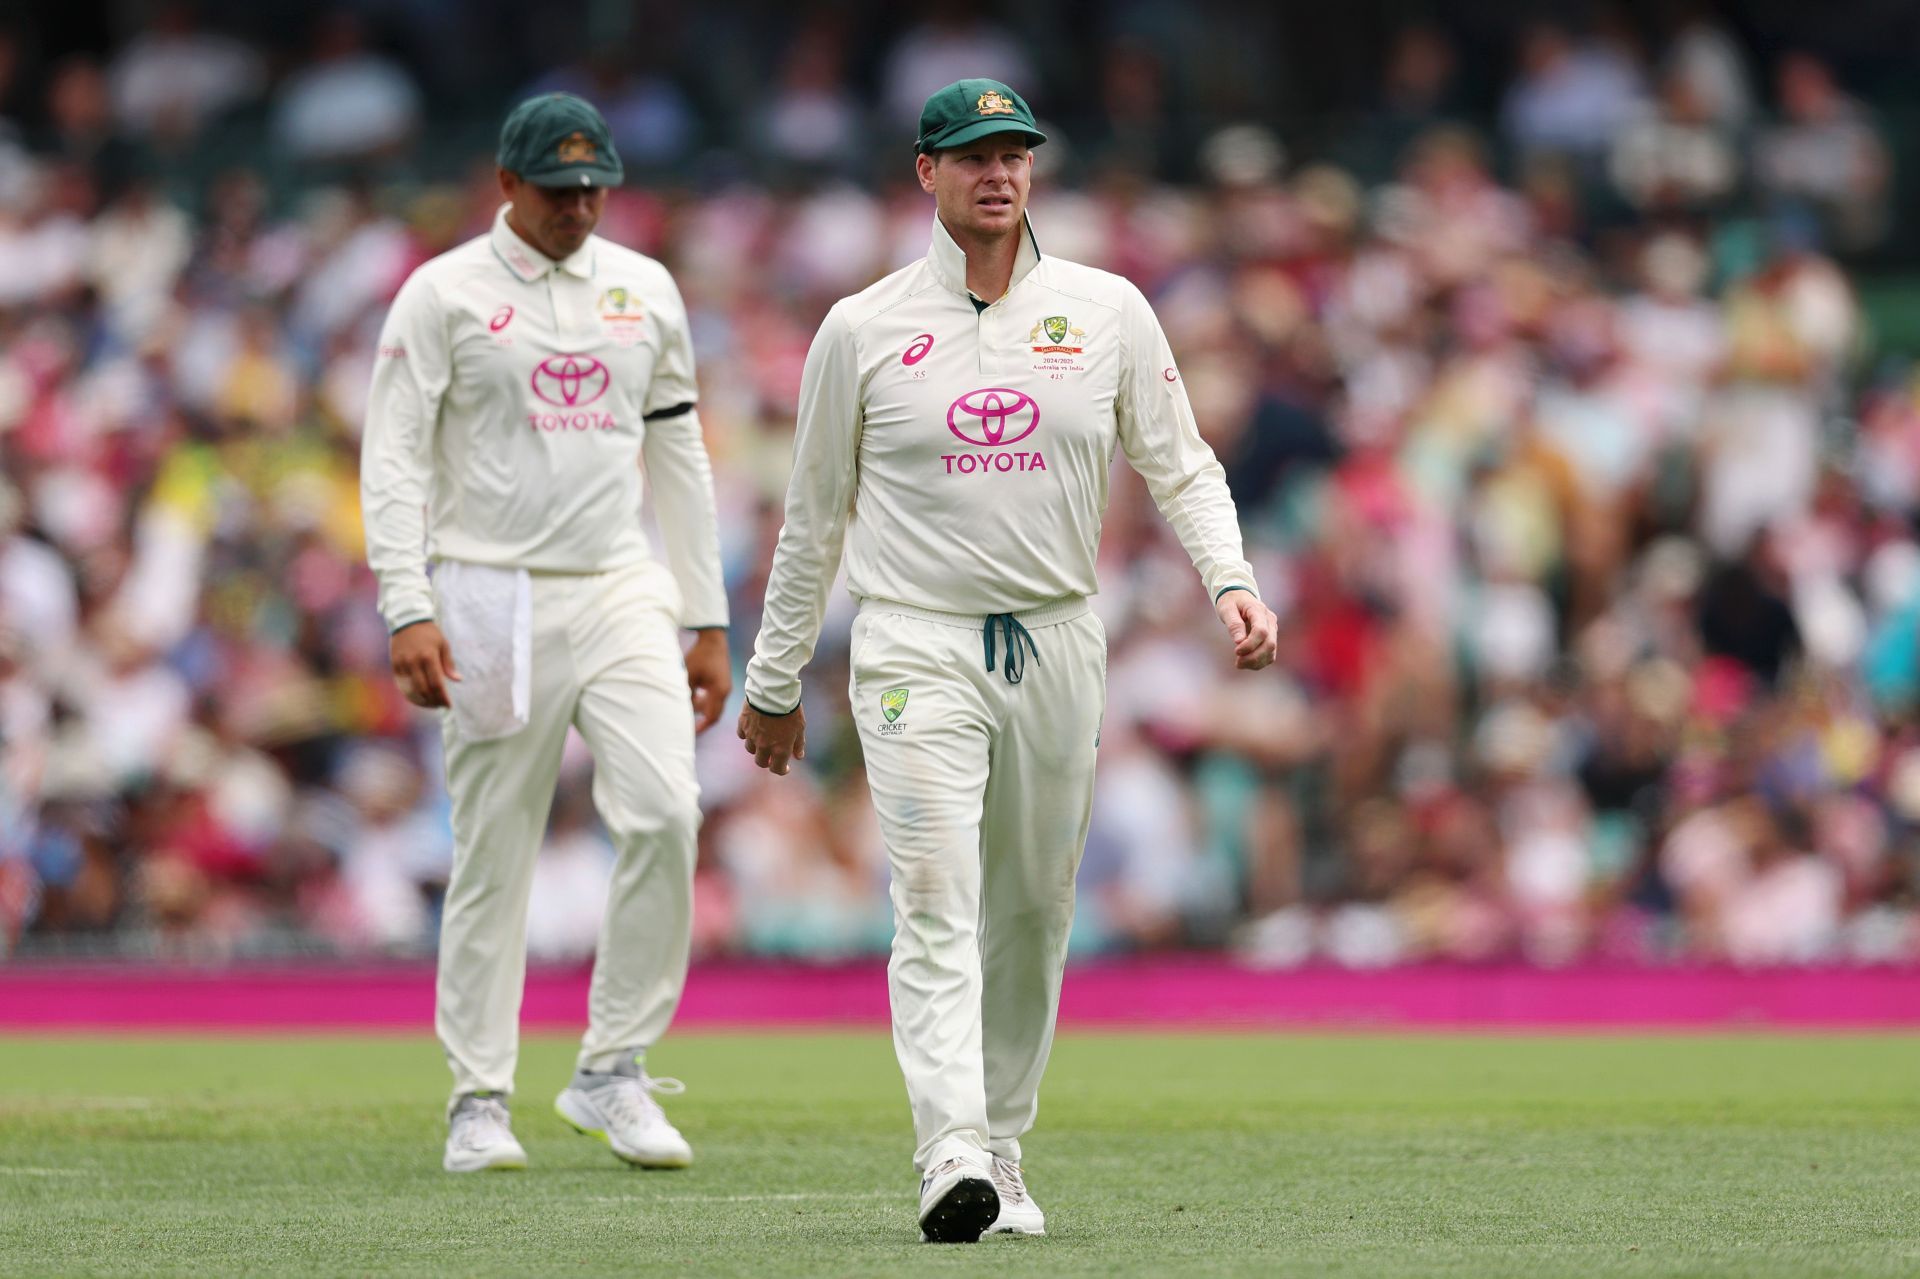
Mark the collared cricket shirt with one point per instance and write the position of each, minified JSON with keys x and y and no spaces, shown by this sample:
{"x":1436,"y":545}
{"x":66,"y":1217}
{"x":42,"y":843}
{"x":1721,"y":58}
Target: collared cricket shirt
{"x":972,"y":447}
{"x":514,"y":399}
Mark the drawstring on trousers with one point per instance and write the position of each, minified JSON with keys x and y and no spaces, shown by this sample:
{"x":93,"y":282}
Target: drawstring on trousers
{"x":1015,"y":665}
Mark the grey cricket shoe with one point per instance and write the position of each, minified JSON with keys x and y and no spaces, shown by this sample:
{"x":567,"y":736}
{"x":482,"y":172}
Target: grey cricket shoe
{"x":480,"y":1137}
{"x":620,"y":1110}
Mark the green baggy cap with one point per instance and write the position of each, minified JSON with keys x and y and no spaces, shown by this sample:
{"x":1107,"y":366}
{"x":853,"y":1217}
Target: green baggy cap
{"x":558,"y":140}
{"x":970,"y":109}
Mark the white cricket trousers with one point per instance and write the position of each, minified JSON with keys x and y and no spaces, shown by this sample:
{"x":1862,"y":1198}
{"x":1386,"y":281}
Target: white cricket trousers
{"x":983,"y":788}
{"x":607,"y":660}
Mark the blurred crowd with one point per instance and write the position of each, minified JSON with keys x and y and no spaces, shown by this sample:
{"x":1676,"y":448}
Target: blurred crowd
{"x":1557,"y":444}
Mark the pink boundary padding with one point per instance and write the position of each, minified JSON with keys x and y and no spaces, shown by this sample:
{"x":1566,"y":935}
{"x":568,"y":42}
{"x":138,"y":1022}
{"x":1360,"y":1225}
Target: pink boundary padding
{"x":1182,"y":991}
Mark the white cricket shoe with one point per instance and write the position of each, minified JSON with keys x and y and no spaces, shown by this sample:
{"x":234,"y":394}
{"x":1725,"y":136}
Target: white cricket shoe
{"x":957,"y":1202}
{"x":479,"y":1138}
{"x":620,"y":1110}
{"x":1019,"y":1214}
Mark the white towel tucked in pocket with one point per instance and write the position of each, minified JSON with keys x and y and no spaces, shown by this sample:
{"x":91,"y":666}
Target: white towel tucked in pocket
{"x":486,"y":613}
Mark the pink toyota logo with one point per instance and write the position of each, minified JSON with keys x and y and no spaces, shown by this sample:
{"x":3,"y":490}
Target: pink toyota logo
{"x":993,"y":416}
{"x":570,"y":381}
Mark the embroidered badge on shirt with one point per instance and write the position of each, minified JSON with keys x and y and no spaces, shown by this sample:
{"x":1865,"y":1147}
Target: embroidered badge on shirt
{"x":1051,"y":340}
{"x":1057,"y":329}
{"x":621,"y":317}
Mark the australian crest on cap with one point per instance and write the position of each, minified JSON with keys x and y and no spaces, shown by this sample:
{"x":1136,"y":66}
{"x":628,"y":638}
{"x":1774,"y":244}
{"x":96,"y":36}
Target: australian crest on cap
{"x":577,"y":148}
{"x":992,"y":103}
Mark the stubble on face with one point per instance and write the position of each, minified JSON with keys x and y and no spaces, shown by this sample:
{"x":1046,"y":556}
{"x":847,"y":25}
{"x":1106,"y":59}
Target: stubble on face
{"x":980,"y":189}
{"x":554,"y":220}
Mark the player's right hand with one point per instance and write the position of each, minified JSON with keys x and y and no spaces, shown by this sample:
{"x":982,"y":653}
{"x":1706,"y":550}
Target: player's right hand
{"x":1252,"y":627}
{"x":774,"y":740}
{"x":422,"y":663}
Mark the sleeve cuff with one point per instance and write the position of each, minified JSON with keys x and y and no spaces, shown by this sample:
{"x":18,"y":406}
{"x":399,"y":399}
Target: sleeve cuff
{"x":1223,"y":590}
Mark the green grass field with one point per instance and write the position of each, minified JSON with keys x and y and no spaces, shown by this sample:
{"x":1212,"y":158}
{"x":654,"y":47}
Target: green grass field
{"x":1156,"y":1155}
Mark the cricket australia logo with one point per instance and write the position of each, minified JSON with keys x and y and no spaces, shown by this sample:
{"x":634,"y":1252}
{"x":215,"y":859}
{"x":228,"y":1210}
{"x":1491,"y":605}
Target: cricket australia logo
{"x":1056,"y":329}
{"x":621,"y":317}
{"x":893,"y":704}
{"x":617,"y":302}
{"x":992,"y":102}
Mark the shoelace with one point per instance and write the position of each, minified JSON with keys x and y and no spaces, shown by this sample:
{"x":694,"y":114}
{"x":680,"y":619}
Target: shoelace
{"x":1008,"y":1181}
{"x":1015,"y":666}
{"x":630,"y":1100}
{"x":475,"y":1116}
{"x":942,"y":1170}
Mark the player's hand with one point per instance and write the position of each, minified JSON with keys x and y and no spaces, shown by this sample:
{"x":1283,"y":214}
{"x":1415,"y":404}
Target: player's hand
{"x":773,"y":740}
{"x":710,"y":676}
{"x":1252,"y":627}
{"x":422,"y":663}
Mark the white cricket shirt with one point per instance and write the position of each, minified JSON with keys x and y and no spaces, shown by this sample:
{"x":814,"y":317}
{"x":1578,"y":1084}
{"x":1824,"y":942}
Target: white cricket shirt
{"x":972,"y":450}
{"x":514,"y":400}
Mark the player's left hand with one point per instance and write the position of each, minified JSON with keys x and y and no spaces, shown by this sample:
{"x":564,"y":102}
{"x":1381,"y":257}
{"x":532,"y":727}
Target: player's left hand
{"x":1252,"y":627}
{"x":710,"y":676}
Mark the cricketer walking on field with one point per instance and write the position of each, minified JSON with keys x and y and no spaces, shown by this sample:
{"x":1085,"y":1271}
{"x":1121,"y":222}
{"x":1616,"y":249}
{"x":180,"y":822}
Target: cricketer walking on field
{"x":522,"y":381}
{"x":963,"y":412}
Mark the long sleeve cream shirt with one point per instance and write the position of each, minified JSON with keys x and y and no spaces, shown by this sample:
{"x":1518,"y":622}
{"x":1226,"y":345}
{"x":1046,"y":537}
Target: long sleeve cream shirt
{"x":515,"y":402}
{"x":971,"y":449}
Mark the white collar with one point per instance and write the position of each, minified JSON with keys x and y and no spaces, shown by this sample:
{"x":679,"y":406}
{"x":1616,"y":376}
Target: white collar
{"x":949,"y":260}
{"x":529,"y":263}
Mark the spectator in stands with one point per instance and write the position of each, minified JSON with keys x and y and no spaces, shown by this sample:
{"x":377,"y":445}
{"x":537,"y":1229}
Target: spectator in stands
{"x":1824,"y":152}
{"x":1675,"y":156}
{"x":1704,"y":54}
{"x":952,"y":40}
{"x":174,"y":76}
{"x":1572,"y":95}
{"x":347,"y":102}
{"x":811,"y":119}
{"x":652,"y":122}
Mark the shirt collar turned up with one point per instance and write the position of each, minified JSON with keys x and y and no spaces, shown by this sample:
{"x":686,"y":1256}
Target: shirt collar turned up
{"x":527,"y":262}
{"x":949,"y":260}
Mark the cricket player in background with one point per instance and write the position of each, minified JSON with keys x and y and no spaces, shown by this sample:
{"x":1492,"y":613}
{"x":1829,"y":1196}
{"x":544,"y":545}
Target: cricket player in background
{"x":965,"y":411}
{"x":522,"y":382}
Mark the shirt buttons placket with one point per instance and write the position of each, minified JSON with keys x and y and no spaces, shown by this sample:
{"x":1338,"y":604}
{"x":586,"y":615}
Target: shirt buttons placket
{"x":566,"y":301}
